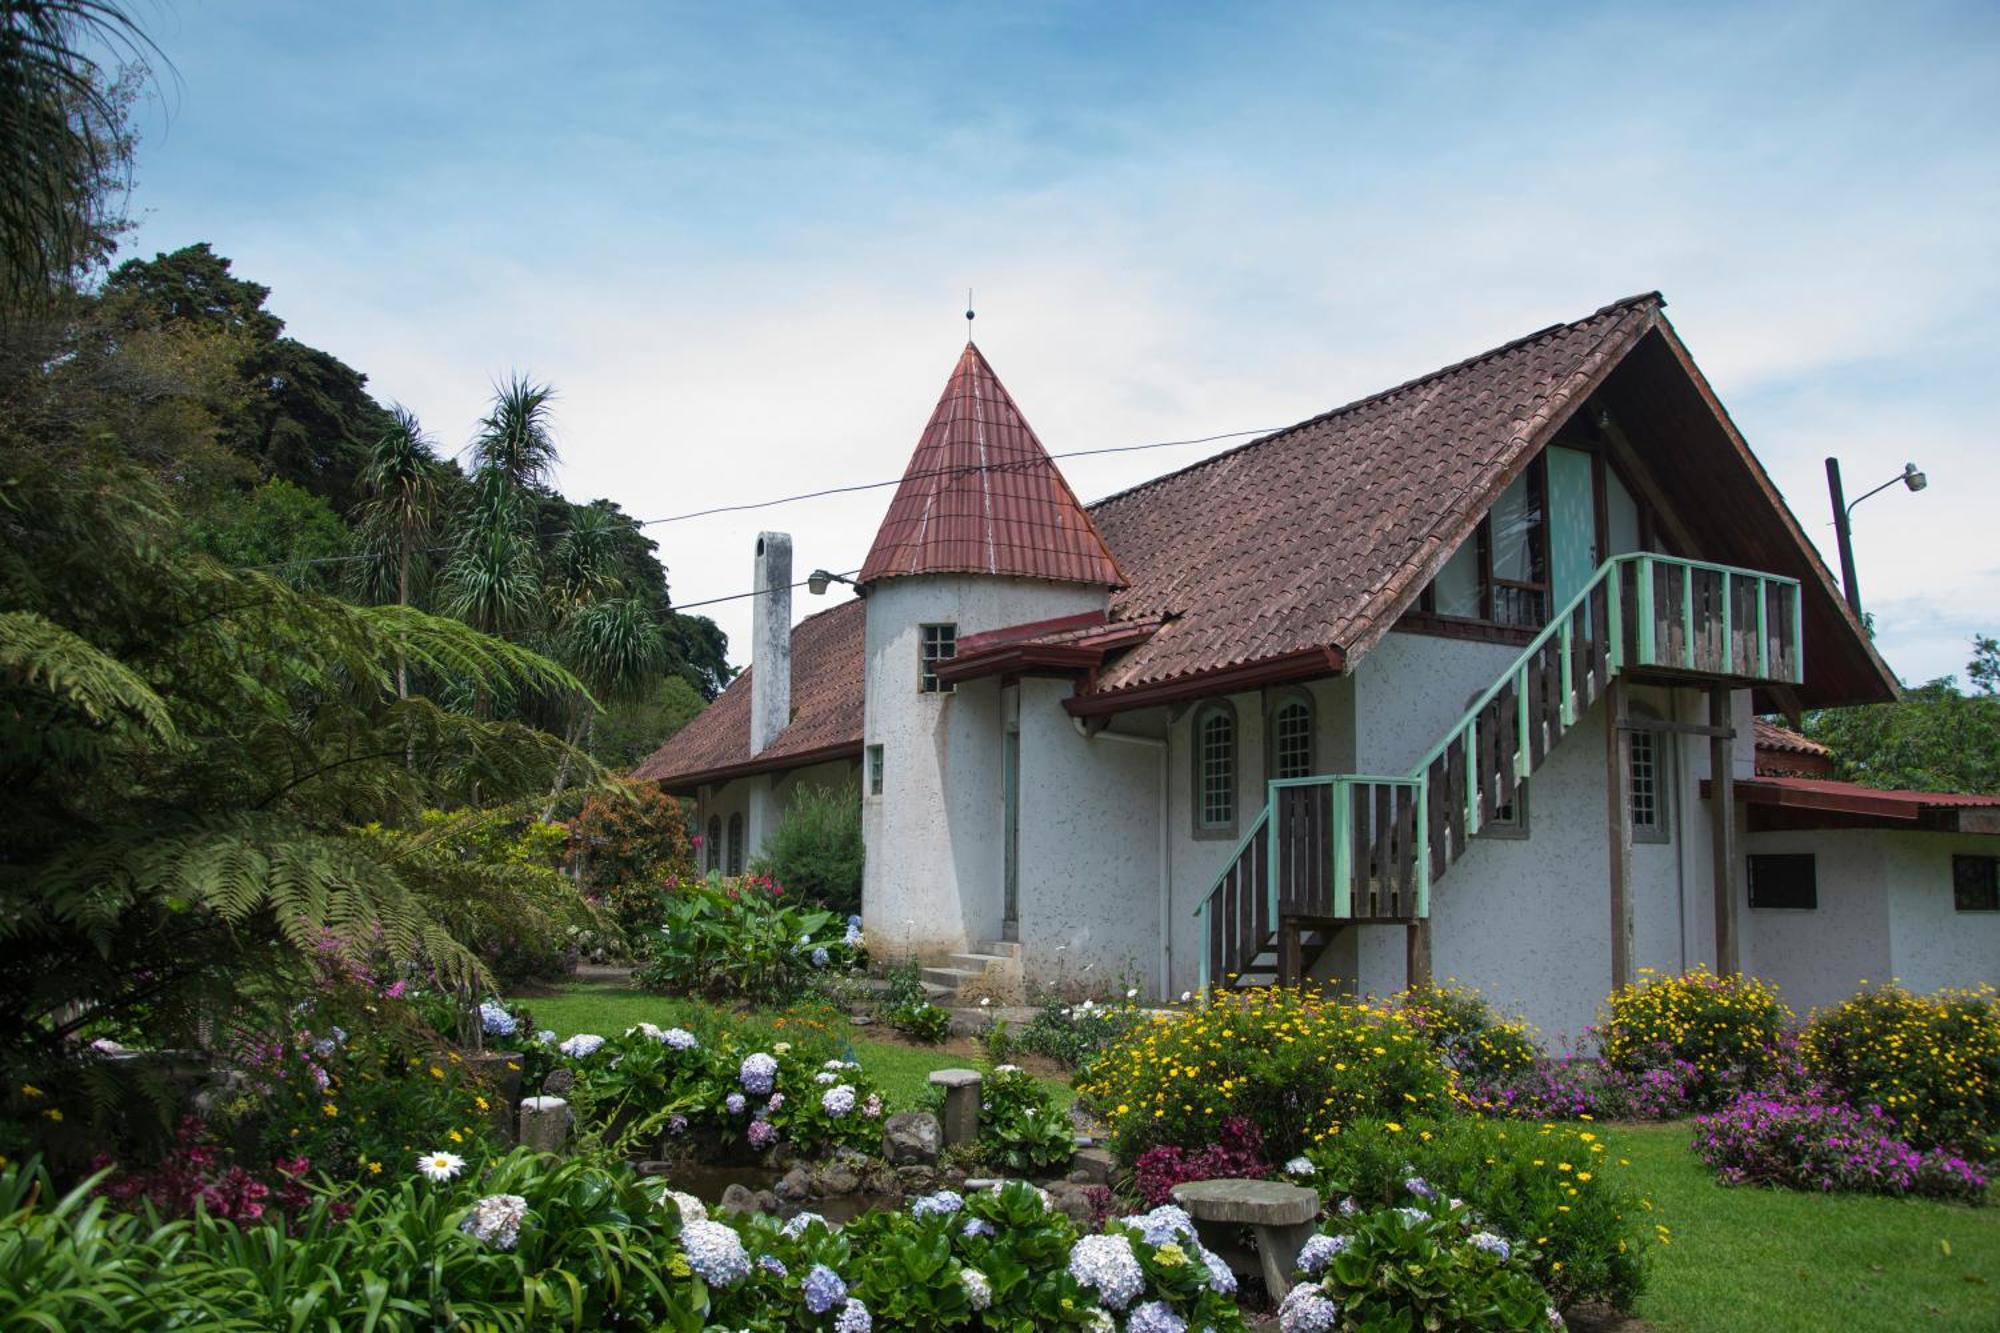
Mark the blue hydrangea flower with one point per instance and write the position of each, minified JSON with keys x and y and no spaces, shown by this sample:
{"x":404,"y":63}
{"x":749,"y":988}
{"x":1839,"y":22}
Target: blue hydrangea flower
{"x":854,"y":1318}
{"x":771,"y":1263}
{"x":823,"y":1289}
{"x":977,"y":1226}
{"x":852,"y":939}
{"x":1155,"y":1317}
{"x":978,"y":1290}
{"x":1221,"y":1280}
{"x":941,"y":1204}
{"x":1108,"y":1264}
{"x":1318,"y":1252}
{"x":820,"y":957}
{"x":1164,"y":1223}
{"x":1306,"y":1309}
{"x":758,"y":1073}
{"x":1413,"y":1217}
{"x":496,"y":1021}
{"x":734,"y":1103}
{"x":1420,"y":1187}
{"x":797,"y":1226}
{"x":1492,"y":1244}
{"x":546,"y":1037}
{"x":679,"y":1039}
{"x":837,"y":1101}
{"x":715,"y":1253}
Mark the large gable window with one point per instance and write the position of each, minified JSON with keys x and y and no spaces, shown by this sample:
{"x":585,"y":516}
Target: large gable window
{"x":1214,"y":770}
{"x":1291,"y":735}
{"x":1500,"y":574}
{"x":939,"y":644}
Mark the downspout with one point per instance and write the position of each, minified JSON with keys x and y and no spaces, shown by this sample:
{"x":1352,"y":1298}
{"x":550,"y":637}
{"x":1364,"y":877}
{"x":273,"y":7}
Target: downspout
{"x":1166,"y":863}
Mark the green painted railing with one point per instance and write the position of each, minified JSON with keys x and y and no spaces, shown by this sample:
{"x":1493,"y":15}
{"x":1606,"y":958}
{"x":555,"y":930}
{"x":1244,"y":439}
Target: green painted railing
{"x":1320,"y":842}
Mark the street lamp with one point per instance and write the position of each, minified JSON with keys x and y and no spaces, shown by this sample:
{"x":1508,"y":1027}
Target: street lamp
{"x":817,"y":581}
{"x":1909,"y":476}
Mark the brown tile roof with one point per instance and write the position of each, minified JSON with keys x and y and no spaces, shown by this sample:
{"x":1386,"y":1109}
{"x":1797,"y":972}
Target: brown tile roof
{"x":981,"y":496}
{"x":1771,"y":736}
{"x":826,"y":711}
{"x":1312,"y":540}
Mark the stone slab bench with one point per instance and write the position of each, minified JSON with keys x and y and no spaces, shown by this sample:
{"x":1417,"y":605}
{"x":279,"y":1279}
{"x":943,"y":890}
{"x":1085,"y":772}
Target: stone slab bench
{"x":1279,"y":1216}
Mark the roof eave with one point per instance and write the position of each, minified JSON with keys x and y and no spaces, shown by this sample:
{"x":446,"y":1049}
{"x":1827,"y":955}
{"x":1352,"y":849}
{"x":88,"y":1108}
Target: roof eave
{"x":1303,"y":664}
{"x":682,"y":783}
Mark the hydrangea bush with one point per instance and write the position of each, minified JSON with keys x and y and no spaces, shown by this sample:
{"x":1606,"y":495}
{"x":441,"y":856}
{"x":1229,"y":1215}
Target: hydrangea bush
{"x":1554,"y":1186}
{"x":1294,"y":1064}
{"x":1021,"y":1129}
{"x":744,"y":937}
{"x":1425,"y":1263}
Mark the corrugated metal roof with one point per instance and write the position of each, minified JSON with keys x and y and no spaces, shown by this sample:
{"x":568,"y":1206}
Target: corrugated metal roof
{"x":981,"y":496}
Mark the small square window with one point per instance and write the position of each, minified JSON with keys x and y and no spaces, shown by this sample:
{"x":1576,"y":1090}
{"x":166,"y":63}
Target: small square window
{"x":1786,"y":881}
{"x":874,"y":770}
{"x":1975,"y":883}
{"x":939,"y":644}
{"x":1510,"y":820}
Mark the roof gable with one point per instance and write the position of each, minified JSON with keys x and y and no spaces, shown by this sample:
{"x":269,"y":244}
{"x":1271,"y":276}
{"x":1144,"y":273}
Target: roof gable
{"x":981,"y":496}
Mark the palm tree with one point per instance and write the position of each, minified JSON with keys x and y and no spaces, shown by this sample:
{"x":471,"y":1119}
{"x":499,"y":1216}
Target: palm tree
{"x":403,"y":505}
{"x":617,"y":648}
{"x":63,"y":145}
{"x":514,"y":437}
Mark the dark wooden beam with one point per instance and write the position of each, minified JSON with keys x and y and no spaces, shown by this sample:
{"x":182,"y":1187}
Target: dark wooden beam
{"x":1618,"y":826}
{"x":1722,"y":812}
{"x":1677,"y":728}
{"x":1417,"y":953}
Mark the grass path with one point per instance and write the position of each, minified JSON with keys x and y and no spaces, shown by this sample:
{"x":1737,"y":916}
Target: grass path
{"x":1783,"y":1262}
{"x":901,"y":1070}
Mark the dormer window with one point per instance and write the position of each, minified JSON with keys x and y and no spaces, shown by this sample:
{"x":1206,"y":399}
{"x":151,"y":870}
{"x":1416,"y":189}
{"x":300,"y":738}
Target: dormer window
{"x":939,"y":644}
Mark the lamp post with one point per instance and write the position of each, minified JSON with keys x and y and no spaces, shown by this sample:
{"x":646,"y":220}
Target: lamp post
{"x":1842,"y":509}
{"x":818,"y":581}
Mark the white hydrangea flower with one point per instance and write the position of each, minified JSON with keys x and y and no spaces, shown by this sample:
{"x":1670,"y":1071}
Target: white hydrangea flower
{"x":1301,"y":1168}
{"x":581,"y":1046}
{"x":978,"y":1291}
{"x":496,"y":1220}
{"x":715,"y":1252}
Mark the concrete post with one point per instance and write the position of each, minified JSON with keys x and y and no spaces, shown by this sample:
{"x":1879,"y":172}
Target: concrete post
{"x":961,"y":1104}
{"x":771,"y":640}
{"x":545,"y":1124}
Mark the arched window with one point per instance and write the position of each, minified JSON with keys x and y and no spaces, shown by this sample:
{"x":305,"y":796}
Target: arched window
{"x":1289,"y":735}
{"x":735,"y":845}
{"x":1214,"y":733}
{"x":1651,"y":786}
{"x":713,"y":850}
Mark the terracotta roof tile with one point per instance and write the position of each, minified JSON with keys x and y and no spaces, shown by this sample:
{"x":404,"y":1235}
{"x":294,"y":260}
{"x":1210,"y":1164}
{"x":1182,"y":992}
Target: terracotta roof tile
{"x":981,"y":496}
{"x":826,"y":710}
{"x":1771,"y":736}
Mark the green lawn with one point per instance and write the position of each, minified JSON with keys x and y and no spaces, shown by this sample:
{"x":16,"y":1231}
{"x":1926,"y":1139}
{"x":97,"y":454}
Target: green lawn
{"x":1777,"y":1261}
{"x":901,"y":1071}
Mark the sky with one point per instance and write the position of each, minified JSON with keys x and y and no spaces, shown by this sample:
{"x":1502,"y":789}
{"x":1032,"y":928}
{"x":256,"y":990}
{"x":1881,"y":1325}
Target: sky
{"x":737,"y":238}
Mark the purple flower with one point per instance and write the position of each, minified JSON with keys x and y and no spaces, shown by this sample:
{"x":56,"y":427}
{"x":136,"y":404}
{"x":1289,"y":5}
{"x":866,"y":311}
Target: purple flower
{"x":758,"y":1073}
{"x":823,"y":1289}
{"x":734,"y":1103}
{"x":762,"y":1134}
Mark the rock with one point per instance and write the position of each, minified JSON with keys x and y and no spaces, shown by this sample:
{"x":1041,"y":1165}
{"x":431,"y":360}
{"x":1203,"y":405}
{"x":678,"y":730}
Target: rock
{"x":649,"y":1169}
{"x":912,"y":1138}
{"x":560,"y":1082}
{"x":738,"y":1200}
{"x":916,"y":1179}
{"x":1073,"y":1201}
{"x":1091,"y":1166}
{"x":837,"y":1179}
{"x":880,"y":1178}
{"x":796,"y":1183}
{"x":767,"y":1203}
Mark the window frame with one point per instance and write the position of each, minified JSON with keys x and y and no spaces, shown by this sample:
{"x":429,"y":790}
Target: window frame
{"x":1509,"y":828}
{"x":1751,"y":861}
{"x":713,"y":851}
{"x":1492,"y":588}
{"x":931,"y":635}
{"x":1279,"y":702}
{"x":876,"y":765}
{"x":1992,"y":880}
{"x":738,"y":853}
{"x":1660,"y":830}
{"x":1208,"y":711}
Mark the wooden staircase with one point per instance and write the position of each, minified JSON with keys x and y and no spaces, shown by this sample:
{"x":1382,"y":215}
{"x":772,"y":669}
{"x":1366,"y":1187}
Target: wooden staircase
{"x":1338,"y":850}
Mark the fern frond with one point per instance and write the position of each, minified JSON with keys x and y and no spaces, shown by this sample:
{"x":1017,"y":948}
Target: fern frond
{"x":38,"y":653}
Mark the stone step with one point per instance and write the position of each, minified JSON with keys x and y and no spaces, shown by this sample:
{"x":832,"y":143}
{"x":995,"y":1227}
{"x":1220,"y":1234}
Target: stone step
{"x":952,"y":977}
{"x":981,"y":962}
{"x":999,"y":949}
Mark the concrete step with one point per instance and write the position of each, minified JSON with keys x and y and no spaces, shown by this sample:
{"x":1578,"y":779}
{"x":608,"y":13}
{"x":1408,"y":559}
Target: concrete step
{"x":999,"y":949}
{"x":982,"y":962}
{"x":952,"y":977}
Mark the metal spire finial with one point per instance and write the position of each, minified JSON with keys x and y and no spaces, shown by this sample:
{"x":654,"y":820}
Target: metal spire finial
{"x":968,"y":314}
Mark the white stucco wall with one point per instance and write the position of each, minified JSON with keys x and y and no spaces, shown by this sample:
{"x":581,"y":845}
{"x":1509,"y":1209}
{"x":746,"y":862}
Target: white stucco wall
{"x":1933,"y":945}
{"x":934,"y":874}
{"x":762,"y":800}
{"x":1820,"y":956}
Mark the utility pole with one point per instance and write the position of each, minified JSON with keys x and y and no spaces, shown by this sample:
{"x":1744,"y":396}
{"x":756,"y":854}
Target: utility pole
{"x":1845,"y":535}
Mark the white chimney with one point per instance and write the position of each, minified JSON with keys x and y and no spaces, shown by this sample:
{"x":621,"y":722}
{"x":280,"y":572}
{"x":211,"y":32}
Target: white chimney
{"x":771,"y":641}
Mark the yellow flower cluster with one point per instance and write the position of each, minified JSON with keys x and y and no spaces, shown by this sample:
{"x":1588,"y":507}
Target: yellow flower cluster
{"x":1929,"y":1061}
{"x":1463,"y":1027}
{"x":1295,"y":1062}
{"x":1716,"y":1023}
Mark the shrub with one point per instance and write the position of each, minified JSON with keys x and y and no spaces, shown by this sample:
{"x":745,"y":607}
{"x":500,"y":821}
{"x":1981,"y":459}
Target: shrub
{"x":1728,"y":1028}
{"x":1238,"y":1153}
{"x":1583,"y":1087}
{"x":1295,"y":1064}
{"x":1020,"y":1127}
{"x":1463,"y":1029}
{"x":1426,"y":1264}
{"x":741,"y":938}
{"x":1931,"y":1062}
{"x":626,"y":845}
{"x":1551,"y":1186}
{"x":1073,"y":1034}
{"x":1815,"y":1142}
{"x":920,"y":1019}
{"x":816,"y":850}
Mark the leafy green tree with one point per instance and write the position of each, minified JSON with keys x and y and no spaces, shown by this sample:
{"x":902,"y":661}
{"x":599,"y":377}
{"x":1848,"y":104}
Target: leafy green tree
{"x":281,"y":527}
{"x":1934,"y":738}
{"x":629,"y":730}
{"x":816,"y":850}
{"x":1984,"y":668}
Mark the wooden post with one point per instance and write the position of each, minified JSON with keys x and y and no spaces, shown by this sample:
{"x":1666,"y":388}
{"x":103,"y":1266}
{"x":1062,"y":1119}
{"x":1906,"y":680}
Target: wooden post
{"x":1417,"y":953}
{"x":1288,"y":953}
{"x":1618,"y":826}
{"x":1722,"y":813}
